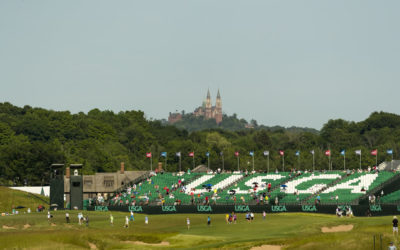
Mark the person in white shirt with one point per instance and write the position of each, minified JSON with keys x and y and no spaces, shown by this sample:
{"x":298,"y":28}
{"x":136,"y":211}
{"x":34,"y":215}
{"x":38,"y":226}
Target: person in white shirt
{"x":188,"y":223}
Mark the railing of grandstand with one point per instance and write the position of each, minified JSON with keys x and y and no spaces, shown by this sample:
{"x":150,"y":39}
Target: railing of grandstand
{"x":379,"y":187}
{"x":134,"y":181}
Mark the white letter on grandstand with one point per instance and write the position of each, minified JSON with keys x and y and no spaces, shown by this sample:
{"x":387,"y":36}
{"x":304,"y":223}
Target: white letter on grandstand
{"x":363,"y":182}
{"x":291,"y":185}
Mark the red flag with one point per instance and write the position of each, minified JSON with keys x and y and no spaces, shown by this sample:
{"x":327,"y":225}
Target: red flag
{"x":374,"y":152}
{"x":281,"y":152}
{"x":148,"y":155}
{"x":191,"y":154}
{"x":327,"y":152}
{"x":237,"y":153}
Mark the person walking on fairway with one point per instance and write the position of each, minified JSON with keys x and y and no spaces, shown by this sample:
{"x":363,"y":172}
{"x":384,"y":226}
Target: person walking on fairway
{"x":264,"y":215}
{"x":111,"y":220}
{"x":146,"y":220}
{"x":395,"y":226}
{"x":208,"y":221}
{"x":188,"y":223}
{"x":131,"y":218}
{"x":67,"y":217}
{"x":126,"y":222}
{"x":87,"y":220}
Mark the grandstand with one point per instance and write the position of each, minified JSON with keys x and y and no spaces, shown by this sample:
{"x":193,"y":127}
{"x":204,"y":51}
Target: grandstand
{"x":331,"y":187}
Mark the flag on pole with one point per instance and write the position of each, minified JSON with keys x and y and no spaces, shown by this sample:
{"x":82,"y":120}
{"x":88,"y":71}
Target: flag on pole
{"x":251,"y":153}
{"x":266,"y":153}
{"x":281,"y":152}
{"x":208,"y":154}
{"x":312,"y":152}
{"x":237,"y":153}
{"x":358,"y":152}
{"x":389,"y":151}
{"x":148,"y":155}
{"x":178,"y":154}
{"x":374,"y":152}
{"x":297,"y":153}
{"x":164,"y":154}
{"x":343,"y":152}
{"x":191,"y":154}
{"x":328,"y":152}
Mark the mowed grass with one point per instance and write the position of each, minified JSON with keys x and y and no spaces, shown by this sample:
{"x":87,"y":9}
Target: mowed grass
{"x":291,"y":230}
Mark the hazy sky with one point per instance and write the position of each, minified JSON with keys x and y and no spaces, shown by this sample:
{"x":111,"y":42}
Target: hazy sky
{"x":280,"y":62}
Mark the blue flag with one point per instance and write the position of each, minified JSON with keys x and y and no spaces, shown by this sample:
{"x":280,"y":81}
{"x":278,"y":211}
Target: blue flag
{"x":389,"y":151}
{"x":343,"y":152}
{"x":164,"y":154}
{"x":297,"y":153}
{"x":208,"y":154}
{"x":221,"y":153}
{"x":251,"y":153}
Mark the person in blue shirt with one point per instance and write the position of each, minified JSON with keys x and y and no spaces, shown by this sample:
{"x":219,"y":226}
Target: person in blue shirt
{"x":208,"y":221}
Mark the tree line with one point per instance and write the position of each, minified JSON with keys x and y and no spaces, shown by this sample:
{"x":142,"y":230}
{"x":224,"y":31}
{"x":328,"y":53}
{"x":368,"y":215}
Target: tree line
{"x":31,"y":139}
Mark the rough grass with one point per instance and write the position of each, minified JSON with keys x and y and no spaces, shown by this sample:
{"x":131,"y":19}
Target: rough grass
{"x":291,"y":230}
{"x":10,"y":198}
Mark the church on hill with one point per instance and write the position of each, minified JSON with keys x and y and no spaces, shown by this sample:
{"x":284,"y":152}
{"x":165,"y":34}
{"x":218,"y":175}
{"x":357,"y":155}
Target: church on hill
{"x":206,"y":110}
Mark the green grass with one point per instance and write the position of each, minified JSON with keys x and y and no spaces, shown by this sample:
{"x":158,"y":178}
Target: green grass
{"x":10,"y":198}
{"x":292,"y":230}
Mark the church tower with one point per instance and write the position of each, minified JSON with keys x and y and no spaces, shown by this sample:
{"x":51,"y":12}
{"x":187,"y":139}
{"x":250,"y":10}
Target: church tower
{"x":208,"y":112}
{"x":218,"y":109}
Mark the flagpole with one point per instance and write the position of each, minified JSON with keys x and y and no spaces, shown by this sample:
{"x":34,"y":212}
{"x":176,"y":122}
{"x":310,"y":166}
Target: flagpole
{"x":253,"y":161}
{"x":392,"y":162}
{"x":360,"y":160}
{"x":283,"y":162}
{"x":180,"y":162}
{"x":313,"y":162}
{"x":344,"y":161}
{"x":151,"y":163}
{"x":376,"y":159}
{"x":238,"y":163}
{"x":223,"y":166}
{"x":208,"y":158}
{"x":298,"y":160}
{"x":165,"y":163}
{"x":193,"y":160}
{"x":268,"y":163}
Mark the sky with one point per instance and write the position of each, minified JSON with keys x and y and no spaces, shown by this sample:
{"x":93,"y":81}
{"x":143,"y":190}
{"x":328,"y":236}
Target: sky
{"x":288,"y":63}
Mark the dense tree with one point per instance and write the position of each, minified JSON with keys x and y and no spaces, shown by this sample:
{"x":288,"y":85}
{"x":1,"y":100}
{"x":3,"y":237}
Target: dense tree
{"x":33,"y":138}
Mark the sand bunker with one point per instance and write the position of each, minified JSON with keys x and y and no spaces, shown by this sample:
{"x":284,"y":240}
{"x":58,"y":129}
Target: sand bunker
{"x":267,"y":247}
{"x":27,"y":226}
{"x":92,"y":246}
{"x":340,"y":228}
{"x":7,"y":227}
{"x":163,"y":243}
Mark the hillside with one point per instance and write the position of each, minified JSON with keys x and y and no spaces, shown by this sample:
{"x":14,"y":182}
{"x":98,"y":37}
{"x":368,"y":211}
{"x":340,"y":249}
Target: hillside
{"x":192,"y":123}
{"x":13,"y":198}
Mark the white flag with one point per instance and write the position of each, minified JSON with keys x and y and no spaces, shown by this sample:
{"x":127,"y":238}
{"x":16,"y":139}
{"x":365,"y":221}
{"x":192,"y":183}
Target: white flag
{"x":266,"y":153}
{"x":358,"y":152}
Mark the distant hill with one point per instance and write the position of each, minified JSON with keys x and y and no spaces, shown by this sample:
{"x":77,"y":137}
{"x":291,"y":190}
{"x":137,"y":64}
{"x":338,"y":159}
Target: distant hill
{"x":192,"y":123}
